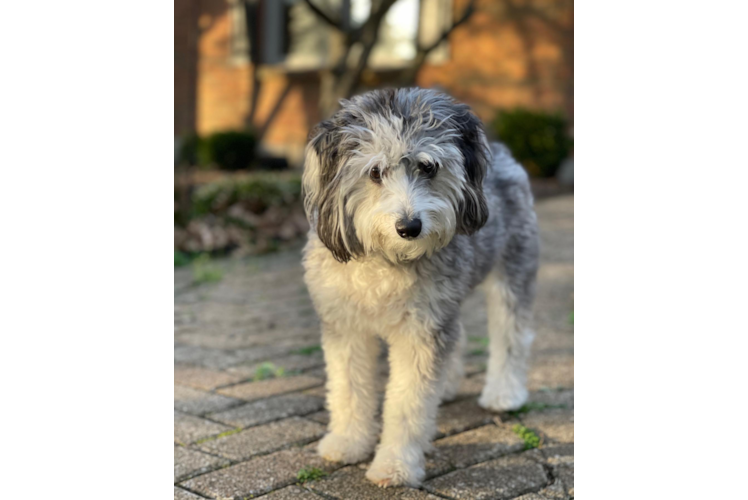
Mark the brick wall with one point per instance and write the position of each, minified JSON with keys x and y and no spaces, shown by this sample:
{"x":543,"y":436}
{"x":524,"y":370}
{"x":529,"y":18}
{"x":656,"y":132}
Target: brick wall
{"x":510,"y":53}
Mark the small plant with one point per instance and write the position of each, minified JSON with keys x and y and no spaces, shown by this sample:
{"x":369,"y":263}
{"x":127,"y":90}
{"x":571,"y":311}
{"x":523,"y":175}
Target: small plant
{"x":267,"y":370}
{"x":531,"y":439}
{"x":539,"y":141}
{"x":310,"y":474}
{"x":308,"y":351}
{"x":571,"y":318}
{"x":205,"y":271}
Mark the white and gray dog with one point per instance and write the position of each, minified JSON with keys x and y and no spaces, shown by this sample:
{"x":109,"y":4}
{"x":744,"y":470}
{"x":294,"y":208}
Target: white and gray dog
{"x":410,"y":209}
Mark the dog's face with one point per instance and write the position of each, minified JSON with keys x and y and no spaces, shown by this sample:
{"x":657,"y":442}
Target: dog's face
{"x":395,"y":172}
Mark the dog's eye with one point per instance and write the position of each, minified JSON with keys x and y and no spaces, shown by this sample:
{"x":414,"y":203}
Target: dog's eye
{"x":375,"y":174}
{"x":428,"y":168}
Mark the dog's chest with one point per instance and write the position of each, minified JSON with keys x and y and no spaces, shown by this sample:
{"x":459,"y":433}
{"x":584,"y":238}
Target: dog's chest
{"x":371,"y":292}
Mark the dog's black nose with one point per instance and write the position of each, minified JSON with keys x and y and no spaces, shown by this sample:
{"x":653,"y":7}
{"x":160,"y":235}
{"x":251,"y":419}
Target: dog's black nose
{"x":408,"y":228}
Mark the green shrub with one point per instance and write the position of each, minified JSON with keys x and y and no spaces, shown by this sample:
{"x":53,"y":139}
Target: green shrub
{"x":257,"y":191}
{"x":231,"y":150}
{"x":537,"y":140}
{"x":194,"y":151}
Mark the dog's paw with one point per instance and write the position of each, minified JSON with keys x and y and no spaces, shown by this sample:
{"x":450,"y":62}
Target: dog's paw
{"x":391,"y":468}
{"x":502,"y":397}
{"x":339,"y":448}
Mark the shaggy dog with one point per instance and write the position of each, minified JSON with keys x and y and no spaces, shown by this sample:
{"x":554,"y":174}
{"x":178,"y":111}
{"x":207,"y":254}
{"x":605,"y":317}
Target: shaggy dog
{"x":410,"y":209}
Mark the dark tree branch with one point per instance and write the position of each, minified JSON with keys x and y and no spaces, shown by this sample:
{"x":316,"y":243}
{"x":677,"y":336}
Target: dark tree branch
{"x":469,"y":10}
{"x":324,"y":16}
{"x":255,"y":96}
{"x":369,"y":34}
{"x":253,"y":53}
{"x":409,"y":75}
{"x":274,"y":112}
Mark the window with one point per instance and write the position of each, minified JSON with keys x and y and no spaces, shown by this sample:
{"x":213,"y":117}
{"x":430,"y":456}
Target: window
{"x":239,"y":48}
{"x":291,"y":35}
{"x":397,"y":34}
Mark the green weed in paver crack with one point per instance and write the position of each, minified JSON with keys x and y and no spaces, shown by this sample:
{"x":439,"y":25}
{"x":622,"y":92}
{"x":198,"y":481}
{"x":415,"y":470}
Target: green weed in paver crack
{"x":205,"y":271}
{"x":310,"y":474}
{"x":483,"y":341}
{"x":531,"y":439}
{"x":308,"y":351}
{"x":571,"y":317}
{"x":267,"y":370}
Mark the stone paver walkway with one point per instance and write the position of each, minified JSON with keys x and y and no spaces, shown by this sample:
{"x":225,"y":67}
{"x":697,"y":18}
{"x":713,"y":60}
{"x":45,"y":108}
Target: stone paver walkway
{"x":249,"y":391}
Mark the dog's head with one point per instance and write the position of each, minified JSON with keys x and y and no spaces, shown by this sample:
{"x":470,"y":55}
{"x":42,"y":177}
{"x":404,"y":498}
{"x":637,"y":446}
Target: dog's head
{"x":398,"y":172}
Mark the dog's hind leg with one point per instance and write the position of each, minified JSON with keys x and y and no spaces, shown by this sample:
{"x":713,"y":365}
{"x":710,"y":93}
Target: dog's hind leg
{"x":351,"y":363}
{"x":510,"y":338}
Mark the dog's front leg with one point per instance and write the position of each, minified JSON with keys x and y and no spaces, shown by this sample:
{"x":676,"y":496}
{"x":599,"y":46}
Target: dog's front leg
{"x":351,"y":361}
{"x":409,"y":409}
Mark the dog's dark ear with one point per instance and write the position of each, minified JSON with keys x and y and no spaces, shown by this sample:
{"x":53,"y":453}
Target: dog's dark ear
{"x":320,"y":165}
{"x":323,"y":202}
{"x":473,"y":212}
